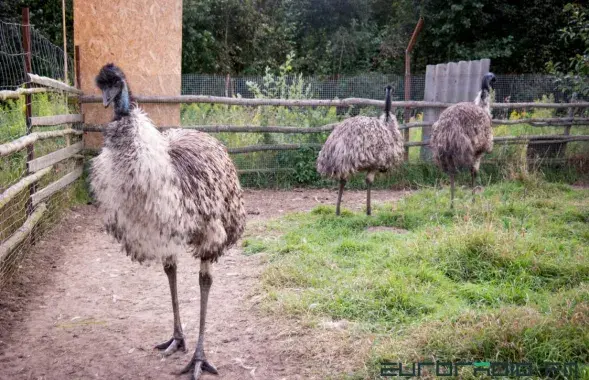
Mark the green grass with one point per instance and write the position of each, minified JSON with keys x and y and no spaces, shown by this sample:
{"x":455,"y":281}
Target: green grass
{"x":503,"y":279}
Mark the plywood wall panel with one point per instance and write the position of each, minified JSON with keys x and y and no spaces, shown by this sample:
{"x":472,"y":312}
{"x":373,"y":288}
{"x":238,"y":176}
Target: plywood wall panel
{"x":144,"y":38}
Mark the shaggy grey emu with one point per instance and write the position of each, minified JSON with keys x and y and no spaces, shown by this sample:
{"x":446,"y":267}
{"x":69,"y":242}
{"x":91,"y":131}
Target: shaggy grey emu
{"x":462,"y":134}
{"x":165,"y":193}
{"x":362,"y":143}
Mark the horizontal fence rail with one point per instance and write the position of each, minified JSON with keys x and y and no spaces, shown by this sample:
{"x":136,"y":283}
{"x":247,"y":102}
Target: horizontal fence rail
{"x":276,"y":147}
{"x":56,"y":186}
{"x":23,"y":232}
{"x":52,"y":83}
{"x":531,"y":139}
{"x":320,"y":102}
{"x":6,"y":94}
{"x":230,"y":128}
{"x":23,"y":142}
{"x":13,"y":190}
{"x":537,"y":122}
{"x":550,"y":139}
{"x":55,"y":157}
{"x":56,"y":120}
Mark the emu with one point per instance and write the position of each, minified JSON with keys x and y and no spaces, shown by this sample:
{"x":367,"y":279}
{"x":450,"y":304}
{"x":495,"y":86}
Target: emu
{"x":362,"y":143}
{"x":462,"y":134}
{"x":165,"y":193}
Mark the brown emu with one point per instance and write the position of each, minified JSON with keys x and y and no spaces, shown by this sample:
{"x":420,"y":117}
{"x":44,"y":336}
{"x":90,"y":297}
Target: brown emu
{"x":362,"y":143}
{"x":164,"y":194}
{"x":462,"y":134}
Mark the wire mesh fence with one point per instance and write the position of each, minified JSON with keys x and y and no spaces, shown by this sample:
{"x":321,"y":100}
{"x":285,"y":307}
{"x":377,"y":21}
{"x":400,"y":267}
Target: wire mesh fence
{"x":509,"y":87}
{"x":47,"y":59}
{"x":24,"y":219}
{"x":297,"y":165}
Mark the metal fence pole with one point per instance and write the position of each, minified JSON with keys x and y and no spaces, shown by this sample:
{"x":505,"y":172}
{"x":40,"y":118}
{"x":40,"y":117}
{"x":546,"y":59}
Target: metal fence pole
{"x":65,"y":76}
{"x":407,"y":115}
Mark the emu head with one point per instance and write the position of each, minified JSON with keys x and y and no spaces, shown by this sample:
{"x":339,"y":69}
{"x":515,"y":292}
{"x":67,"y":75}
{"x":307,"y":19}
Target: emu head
{"x":483,"y":98}
{"x":488,"y":82}
{"x":112,"y":82}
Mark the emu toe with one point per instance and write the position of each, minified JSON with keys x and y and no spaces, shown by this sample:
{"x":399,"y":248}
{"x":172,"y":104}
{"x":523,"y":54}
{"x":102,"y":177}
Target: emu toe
{"x":197,"y":365}
{"x":172,"y":346}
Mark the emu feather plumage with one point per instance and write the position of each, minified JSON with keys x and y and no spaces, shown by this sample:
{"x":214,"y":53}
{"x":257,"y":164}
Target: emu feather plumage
{"x":164,"y":194}
{"x":463,"y":134}
{"x":362,"y":143}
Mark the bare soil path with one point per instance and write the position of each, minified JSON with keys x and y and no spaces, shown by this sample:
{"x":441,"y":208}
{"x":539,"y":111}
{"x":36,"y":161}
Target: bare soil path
{"x":80,"y":309}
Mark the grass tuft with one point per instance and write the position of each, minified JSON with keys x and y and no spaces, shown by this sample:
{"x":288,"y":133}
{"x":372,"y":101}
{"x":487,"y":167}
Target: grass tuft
{"x":503,"y":278}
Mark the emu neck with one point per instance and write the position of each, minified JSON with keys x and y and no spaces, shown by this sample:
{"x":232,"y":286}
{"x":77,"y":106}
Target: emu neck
{"x":387,"y":106}
{"x":123,"y":103}
{"x":484,"y":100}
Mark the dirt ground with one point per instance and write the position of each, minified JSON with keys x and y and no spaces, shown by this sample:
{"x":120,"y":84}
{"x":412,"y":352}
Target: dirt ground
{"x":80,"y":309}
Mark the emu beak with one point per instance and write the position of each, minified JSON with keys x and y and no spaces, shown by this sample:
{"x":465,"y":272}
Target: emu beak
{"x":105,"y":100}
{"x":107,"y":96}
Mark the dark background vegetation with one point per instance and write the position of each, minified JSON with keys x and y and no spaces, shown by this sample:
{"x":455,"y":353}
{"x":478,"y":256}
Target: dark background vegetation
{"x":335,"y":37}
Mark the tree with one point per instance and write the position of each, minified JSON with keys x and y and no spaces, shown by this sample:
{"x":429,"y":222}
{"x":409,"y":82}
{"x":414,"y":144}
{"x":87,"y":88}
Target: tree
{"x":334,"y":37}
{"x":572,"y":70}
{"x":233,"y":36}
{"x":518,"y":39}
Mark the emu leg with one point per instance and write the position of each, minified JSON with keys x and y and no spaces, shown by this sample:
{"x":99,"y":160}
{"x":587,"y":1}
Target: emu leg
{"x":473,"y":174}
{"x":342,"y":183}
{"x":369,"y":180}
{"x":451,"y":190}
{"x":199,"y":362}
{"x":368,"y":208}
{"x":177,"y":341}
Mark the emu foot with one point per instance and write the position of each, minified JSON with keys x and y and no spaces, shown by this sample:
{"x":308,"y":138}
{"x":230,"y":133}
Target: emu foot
{"x":197,"y":365}
{"x":172,"y":346}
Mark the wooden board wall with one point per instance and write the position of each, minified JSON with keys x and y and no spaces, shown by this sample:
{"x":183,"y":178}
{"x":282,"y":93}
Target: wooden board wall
{"x":144,"y":38}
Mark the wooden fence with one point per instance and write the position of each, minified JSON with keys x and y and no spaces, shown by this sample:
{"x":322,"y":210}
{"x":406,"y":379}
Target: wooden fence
{"x":38,"y":167}
{"x":565,"y":122}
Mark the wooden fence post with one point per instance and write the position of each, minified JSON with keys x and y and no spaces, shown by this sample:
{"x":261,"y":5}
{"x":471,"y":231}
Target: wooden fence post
{"x":567,"y":129}
{"x":76,"y":83}
{"x":26,"y":36}
{"x":571,"y":114}
{"x":227,"y":83}
{"x":77,"y":75}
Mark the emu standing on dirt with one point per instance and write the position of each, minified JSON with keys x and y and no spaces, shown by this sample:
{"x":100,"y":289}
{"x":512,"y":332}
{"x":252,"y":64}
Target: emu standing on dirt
{"x":165,"y":193}
{"x":462,"y":134}
{"x":362,"y":143}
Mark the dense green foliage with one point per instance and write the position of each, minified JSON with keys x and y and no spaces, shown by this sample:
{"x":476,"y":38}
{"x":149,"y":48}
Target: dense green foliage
{"x":332,"y":37}
{"x":340,"y":37}
{"x":46,"y":16}
{"x":573,"y":68}
{"x":502,"y":279}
